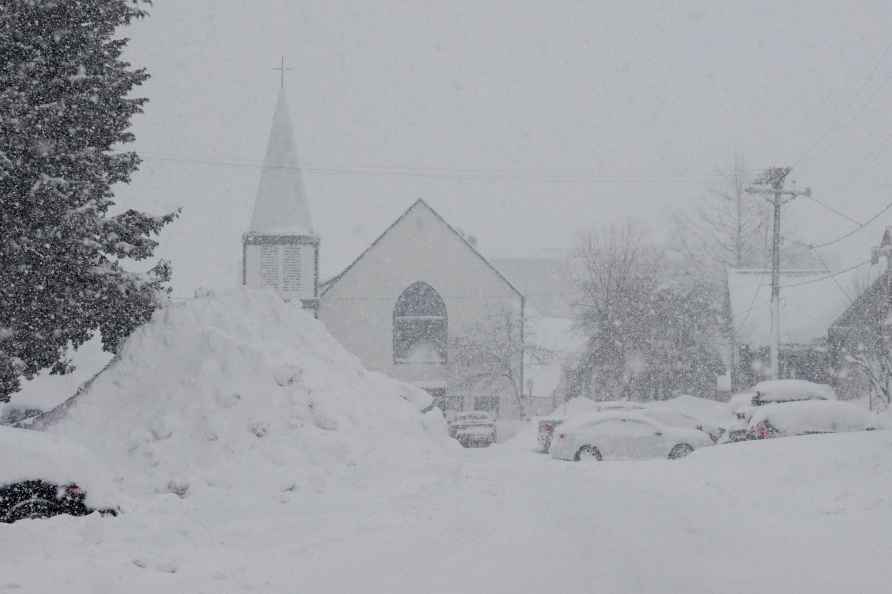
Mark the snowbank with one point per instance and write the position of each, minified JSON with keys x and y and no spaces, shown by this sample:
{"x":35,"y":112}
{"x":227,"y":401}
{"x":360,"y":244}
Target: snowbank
{"x":33,"y":455}
{"x":242,"y":391}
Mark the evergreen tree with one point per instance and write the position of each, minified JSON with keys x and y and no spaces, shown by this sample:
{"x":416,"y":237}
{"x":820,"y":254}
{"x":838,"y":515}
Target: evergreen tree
{"x":65,"y":111}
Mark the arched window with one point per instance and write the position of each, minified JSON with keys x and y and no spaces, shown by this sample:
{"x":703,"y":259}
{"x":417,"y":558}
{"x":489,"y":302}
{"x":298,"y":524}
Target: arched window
{"x":419,"y":326}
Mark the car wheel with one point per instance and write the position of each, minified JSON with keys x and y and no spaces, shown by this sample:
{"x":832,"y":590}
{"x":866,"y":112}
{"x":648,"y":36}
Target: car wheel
{"x":680,"y":451}
{"x":588,"y":452}
{"x":31,"y":509}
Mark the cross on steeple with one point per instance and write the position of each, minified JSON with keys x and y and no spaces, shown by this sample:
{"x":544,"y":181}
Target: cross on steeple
{"x":282,"y":70}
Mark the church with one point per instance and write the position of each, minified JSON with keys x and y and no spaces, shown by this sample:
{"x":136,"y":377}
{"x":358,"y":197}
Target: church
{"x":420,"y":304}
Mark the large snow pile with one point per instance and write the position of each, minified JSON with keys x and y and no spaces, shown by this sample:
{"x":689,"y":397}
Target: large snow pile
{"x":242,"y":391}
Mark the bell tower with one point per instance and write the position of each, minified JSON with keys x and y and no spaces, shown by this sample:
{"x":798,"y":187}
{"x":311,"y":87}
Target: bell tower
{"x":280,"y":249}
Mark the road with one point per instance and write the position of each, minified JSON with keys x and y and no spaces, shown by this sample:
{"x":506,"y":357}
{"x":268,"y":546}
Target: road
{"x":802,"y":515}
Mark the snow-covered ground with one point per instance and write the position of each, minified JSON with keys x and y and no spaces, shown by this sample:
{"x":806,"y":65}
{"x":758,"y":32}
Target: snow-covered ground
{"x":792,"y":515}
{"x":256,"y":455}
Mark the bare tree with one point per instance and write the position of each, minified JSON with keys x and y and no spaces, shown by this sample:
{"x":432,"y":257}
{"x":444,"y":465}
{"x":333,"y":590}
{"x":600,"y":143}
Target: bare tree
{"x":873,"y":359}
{"x":727,"y":227}
{"x":488,"y":356}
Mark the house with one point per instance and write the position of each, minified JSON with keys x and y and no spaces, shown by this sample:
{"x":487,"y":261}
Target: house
{"x":810,"y":302}
{"x":859,"y":338}
{"x":414,"y":297}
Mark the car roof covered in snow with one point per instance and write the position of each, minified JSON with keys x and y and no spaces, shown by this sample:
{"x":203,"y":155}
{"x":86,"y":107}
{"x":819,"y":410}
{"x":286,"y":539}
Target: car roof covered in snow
{"x":815,"y":416}
{"x":785,"y":390}
{"x":35,"y":455}
{"x":637,"y":417}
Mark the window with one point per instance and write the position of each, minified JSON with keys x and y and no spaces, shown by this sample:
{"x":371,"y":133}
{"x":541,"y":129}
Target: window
{"x":269,"y":265}
{"x":487,"y":403}
{"x":291,"y":268}
{"x":419,"y":326}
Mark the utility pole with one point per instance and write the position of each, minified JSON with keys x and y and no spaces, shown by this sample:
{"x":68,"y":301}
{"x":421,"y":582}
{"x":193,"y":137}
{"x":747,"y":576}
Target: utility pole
{"x":771,"y":186}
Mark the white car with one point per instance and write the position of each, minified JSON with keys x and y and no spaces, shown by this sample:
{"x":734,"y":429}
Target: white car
{"x":804,"y":418}
{"x":625,"y":436}
{"x":668,"y":415}
{"x":547,"y":424}
{"x":42,"y":475}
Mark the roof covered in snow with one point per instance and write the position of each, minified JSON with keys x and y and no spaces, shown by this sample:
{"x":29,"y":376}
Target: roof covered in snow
{"x":810,"y":302}
{"x":281,"y":205}
{"x":417,"y":205}
{"x":543,"y":281}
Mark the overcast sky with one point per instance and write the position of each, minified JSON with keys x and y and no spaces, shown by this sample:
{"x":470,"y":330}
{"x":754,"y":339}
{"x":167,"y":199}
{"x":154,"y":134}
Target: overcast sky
{"x":520,"y":122}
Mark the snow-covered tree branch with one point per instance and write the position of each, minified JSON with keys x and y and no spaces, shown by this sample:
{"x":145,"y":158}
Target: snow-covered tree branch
{"x":65,"y":111}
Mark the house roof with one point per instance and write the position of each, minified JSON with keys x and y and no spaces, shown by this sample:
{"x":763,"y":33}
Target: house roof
{"x":868,"y":307}
{"x":281,"y":204}
{"x":543,"y":281}
{"x":810,"y":302}
{"x":420,"y":203}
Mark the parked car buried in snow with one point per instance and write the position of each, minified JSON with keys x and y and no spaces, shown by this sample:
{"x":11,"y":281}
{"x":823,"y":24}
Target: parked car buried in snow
{"x":43,"y":476}
{"x":790,"y":390}
{"x":547,"y":425}
{"x":475,"y":428}
{"x":746,"y":404}
{"x":624,"y":436}
{"x":809,"y":417}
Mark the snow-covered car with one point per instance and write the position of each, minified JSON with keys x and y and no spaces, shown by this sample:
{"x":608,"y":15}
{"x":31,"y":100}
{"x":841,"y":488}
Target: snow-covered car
{"x":808,"y":417}
{"x":745,"y":404}
{"x":43,"y":476}
{"x":625,"y":436}
{"x":790,"y":390}
{"x":667,"y":415}
{"x":740,"y":405}
{"x":473,"y":428}
{"x":547,"y":425}
{"x":476,"y":435}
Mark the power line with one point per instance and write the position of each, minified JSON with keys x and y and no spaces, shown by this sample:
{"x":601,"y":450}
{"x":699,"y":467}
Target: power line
{"x":851,"y":114}
{"x":752,"y":306}
{"x":556,"y":176}
{"x":835,"y":211}
{"x":827,"y":277}
{"x":860,"y":227}
{"x":835,"y":281}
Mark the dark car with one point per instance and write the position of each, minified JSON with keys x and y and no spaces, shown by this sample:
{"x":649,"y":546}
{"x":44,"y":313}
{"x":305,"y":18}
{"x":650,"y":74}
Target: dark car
{"x":42,"y":499}
{"x":42,"y":476}
{"x":473,"y":429}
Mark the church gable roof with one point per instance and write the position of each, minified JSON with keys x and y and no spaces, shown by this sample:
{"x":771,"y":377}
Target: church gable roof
{"x":420,"y":203}
{"x":281,"y":204}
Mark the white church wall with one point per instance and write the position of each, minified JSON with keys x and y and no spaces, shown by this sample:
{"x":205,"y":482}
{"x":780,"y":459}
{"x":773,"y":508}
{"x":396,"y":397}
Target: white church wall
{"x":358,"y":308}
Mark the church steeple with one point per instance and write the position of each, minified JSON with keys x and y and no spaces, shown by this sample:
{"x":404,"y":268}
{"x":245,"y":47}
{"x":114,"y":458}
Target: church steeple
{"x":281,"y":204}
{"x":280,"y":249}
